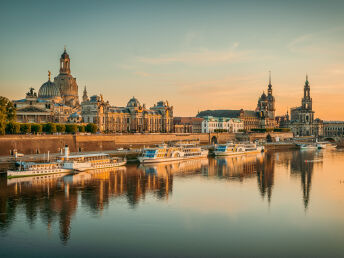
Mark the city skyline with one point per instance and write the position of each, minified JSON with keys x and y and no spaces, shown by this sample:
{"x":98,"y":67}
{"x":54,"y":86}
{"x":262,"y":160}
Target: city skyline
{"x":197,"y":56}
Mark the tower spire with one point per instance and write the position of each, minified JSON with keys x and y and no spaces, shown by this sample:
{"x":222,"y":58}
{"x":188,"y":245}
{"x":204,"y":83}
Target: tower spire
{"x":49,"y":74}
{"x":269,"y":77}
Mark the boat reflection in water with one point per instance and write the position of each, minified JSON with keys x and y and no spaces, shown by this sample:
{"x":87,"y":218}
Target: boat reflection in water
{"x":55,"y":199}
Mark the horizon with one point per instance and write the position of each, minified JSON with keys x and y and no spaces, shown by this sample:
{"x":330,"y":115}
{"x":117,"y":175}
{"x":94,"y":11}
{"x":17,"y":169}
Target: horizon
{"x":218,"y":54}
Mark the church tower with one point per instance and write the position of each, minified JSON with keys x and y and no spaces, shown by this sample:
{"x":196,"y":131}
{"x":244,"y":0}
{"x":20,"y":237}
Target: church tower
{"x":307,"y":100}
{"x":64,"y":63}
{"x":84,"y":96}
{"x":271,"y":100}
{"x":66,"y":82}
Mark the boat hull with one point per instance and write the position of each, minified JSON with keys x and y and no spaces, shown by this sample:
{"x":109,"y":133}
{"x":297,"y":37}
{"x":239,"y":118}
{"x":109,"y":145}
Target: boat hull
{"x":151,"y":160}
{"x":12,"y":173}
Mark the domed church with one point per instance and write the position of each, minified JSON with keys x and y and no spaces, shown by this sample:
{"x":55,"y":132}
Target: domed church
{"x":66,"y":83}
{"x":49,"y":91}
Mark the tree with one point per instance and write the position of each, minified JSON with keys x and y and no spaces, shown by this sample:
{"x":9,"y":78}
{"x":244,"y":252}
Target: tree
{"x":81,"y":128}
{"x":60,"y":128}
{"x":25,"y":128}
{"x":91,"y":128}
{"x":7,"y":113}
{"x":12,"y":128}
{"x":36,"y":128}
{"x":71,"y":128}
{"x":49,"y":128}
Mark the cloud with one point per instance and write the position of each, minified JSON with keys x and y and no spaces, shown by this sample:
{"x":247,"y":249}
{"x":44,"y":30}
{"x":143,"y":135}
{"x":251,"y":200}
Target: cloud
{"x":200,"y":56}
{"x":324,"y":42}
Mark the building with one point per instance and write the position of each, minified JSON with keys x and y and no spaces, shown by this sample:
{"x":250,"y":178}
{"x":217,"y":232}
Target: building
{"x":302,"y":122}
{"x":34,"y":109}
{"x":55,"y":102}
{"x":221,"y":124}
{"x":333,"y":128}
{"x":266,"y":108}
{"x":134,"y":118}
{"x":249,"y":118}
{"x":262,"y":117}
{"x":66,"y":83}
{"x":187,"y":124}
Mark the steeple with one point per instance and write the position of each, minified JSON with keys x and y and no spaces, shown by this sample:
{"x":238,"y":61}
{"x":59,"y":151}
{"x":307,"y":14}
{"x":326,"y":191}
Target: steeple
{"x":84,"y":96}
{"x":307,"y":100}
{"x":269,"y":86}
{"x":65,"y":62}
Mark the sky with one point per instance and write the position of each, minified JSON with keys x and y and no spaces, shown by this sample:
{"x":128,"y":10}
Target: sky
{"x":197,"y":54}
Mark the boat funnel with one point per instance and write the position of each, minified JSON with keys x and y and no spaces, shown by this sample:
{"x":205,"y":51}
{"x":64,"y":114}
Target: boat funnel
{"x":66,"y":152}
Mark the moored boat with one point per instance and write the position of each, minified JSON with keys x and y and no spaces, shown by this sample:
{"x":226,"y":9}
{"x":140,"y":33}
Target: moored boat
{"x":35,"y":169}
{"x":89,"y":161}
{"x":231,"y":149}
{"x":177,"y":151}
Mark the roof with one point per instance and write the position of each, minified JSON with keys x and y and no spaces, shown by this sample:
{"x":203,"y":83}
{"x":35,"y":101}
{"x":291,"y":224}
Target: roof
{"x":227,"y":113}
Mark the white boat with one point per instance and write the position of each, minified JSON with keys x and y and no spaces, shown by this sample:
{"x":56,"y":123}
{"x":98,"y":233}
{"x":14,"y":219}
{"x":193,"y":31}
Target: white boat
{"x":35,"y":169}
{"x":308,"y":146}
{"x":231,"y":149}
{"x":177,"y":151}
{"x":89,"y":161}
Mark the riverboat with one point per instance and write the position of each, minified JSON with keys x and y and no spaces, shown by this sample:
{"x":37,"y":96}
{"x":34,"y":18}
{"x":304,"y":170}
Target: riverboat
{"x":35,"y":169}
{"x":231,"y":149}
{"x":174,"y":152}
{"x":89,"y":161}
{"x":308,"y":146}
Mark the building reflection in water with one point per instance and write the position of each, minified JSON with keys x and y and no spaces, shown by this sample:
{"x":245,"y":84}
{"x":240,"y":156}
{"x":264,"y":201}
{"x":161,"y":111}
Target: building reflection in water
{"x":55,"y":198}
{"x":302,"y":163}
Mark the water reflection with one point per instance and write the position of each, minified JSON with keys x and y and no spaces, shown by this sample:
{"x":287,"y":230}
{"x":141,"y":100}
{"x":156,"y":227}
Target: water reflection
{"x":57,"y":198}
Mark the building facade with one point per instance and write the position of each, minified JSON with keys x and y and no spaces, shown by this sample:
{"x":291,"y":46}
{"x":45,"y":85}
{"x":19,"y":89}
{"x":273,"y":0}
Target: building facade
{"x":221,"y":124}
{"x":333,"y":128}
{"x":187,"y":124}
{"x":134,"y":118}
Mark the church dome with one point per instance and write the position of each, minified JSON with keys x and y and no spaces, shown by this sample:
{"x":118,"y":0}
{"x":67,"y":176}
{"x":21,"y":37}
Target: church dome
{"x":263,"y":97}
{"x":65,"y":55}
{"x":49,"y":90}
{"x":133,"y":102}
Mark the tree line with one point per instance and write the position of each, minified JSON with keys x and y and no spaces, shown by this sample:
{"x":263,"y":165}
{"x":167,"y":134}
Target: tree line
{"x":49,"y":128}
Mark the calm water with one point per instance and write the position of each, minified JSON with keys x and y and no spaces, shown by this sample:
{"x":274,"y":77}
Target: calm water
{"x":279,"y":204}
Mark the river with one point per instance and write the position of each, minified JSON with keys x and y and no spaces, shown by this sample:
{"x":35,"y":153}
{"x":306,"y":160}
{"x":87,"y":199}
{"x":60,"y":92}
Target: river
{"x":268,"y":205}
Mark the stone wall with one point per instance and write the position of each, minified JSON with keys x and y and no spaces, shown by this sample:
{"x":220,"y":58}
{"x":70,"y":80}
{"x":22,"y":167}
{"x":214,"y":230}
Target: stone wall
{"x":33,"y":144}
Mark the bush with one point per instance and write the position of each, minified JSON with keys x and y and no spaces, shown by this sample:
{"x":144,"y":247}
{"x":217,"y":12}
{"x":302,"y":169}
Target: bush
{"x":71,"y":128}
{"x":49,"y":128}
{"x":81,"y":128}
{"x":60,"y":128}
{"x":25,"y":128}
{"x":91,"y":128}
{"x":12,"y":128}
{"x":36,"y":128}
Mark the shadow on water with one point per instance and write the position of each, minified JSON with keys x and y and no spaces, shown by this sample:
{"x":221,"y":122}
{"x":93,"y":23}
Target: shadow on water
{"x":55,"y":198}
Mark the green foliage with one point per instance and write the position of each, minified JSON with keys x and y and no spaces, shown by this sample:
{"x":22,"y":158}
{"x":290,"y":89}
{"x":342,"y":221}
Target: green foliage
{"x":220,"y":131}
{"x":60,"y":128}
{"x":36,"y":128}
{"x":25,"y":128}
{"x":12,"y":128}
{"x":71,"y":128}
{"x":7,"y":113}
{"x":49,"y":128}
{"x":282,"y":130}
{"x":91,"y":128}
{"x":81,"y":128}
